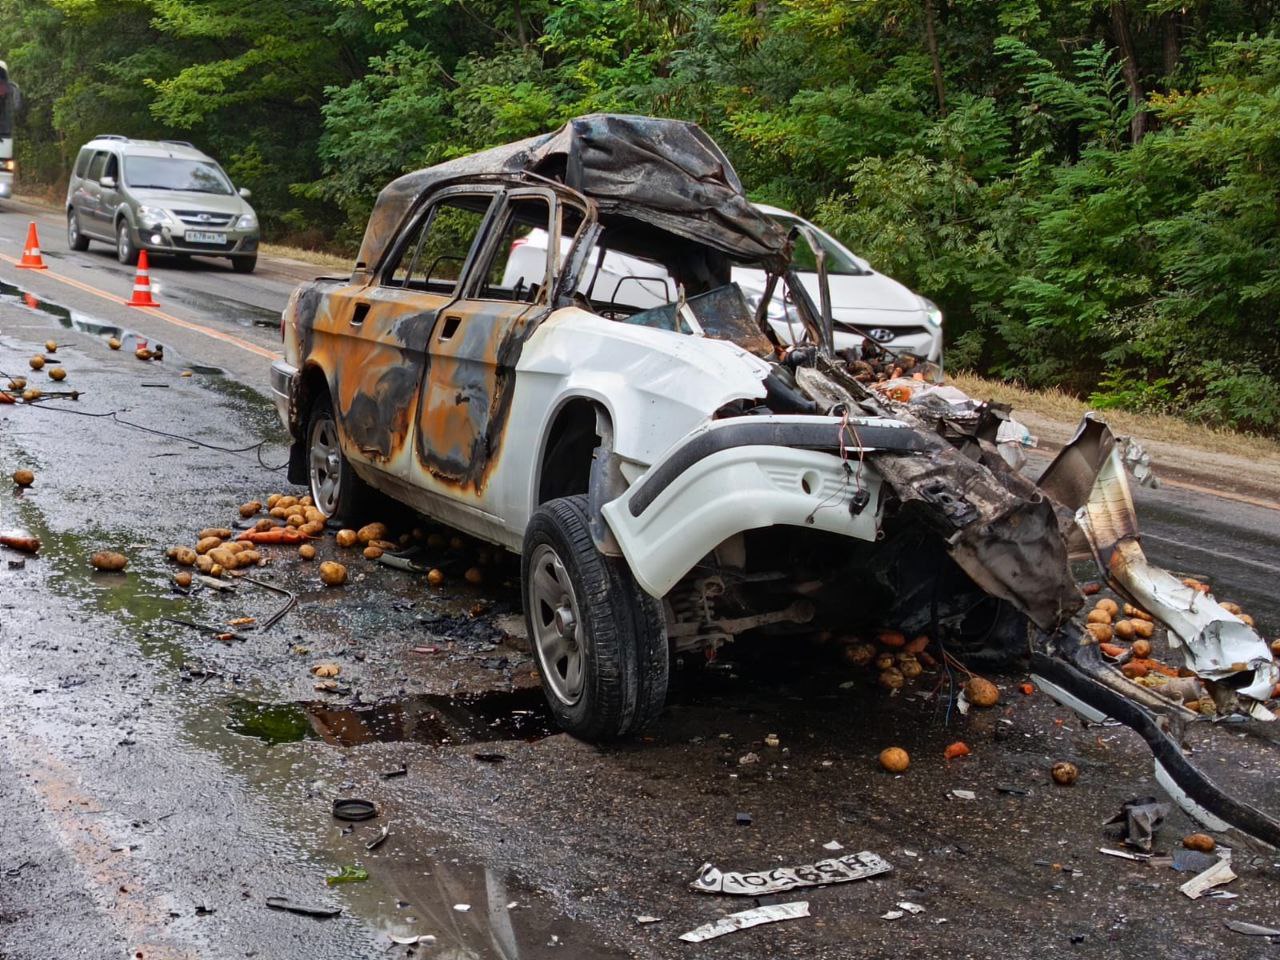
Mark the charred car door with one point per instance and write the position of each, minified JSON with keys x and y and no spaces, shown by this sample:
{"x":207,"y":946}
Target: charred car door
{"x":470,"y":377}
{"x":380,"y":329}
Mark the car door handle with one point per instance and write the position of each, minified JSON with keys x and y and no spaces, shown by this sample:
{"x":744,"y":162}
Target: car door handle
{"x":450,"y":327}
{"x":361,"y":311}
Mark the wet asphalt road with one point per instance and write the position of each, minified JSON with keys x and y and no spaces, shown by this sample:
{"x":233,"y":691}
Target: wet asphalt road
{"x":160,"y":785}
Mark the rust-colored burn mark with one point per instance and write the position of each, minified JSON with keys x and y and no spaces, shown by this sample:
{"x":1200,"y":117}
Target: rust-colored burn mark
{"x":467,"y":397}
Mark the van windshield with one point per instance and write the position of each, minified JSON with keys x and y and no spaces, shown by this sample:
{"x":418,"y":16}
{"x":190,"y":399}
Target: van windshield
{"x":839,"y":262}
{"x":171,"y":173}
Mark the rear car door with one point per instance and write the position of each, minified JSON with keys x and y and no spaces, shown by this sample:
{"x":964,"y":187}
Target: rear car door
{"x":470,"y":375}
{"x":379,"y":331}
{"x":90,"y":202}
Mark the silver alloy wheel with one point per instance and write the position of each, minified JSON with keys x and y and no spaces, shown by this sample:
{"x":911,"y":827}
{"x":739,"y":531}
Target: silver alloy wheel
{"x":123,"y":246}
{"x":557,"y":624}
{"x":73,"y":230}
{"x":325,"y":465}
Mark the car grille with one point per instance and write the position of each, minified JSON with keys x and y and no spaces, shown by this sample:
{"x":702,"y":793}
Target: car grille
{"x":898,"y":332}
{"x":203,"y":218}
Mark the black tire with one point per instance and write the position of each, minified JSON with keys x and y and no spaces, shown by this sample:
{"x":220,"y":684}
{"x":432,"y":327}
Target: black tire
{"x":617,"y":634}
{"x":126,"y":252}
{"x":244,"y":264}
{"x":350,"y":493}
{"x":75,"y":239}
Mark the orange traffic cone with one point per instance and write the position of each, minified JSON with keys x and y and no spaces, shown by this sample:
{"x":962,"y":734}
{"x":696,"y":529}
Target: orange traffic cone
{"x":31,"y":259}
{"x":142,"y":285}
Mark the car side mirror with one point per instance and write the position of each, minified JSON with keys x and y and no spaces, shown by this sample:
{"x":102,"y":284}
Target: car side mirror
{"x":245,"y":192}
{"x":108,"y":182}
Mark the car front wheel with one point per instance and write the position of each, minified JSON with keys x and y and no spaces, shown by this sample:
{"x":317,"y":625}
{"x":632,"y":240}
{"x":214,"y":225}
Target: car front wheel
{"x":126,"y":252}
{"x":335,"y":488}
{"x":75,"y":239}
{"x":599,"y":639}
{"x":244,"y":264}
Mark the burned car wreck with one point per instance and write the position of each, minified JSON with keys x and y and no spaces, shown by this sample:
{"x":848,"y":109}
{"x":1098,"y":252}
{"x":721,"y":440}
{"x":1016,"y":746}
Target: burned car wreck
{"x":674,"y":477}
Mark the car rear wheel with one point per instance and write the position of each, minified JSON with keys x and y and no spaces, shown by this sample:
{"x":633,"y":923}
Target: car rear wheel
{"x":335,"y":488}
{"x":126,"y":252}
{"x":244,"y":264}
{"x":600,"y":641}
{"x":75,"y":239}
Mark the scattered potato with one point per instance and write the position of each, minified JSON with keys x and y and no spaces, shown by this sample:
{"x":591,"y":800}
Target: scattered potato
{"x":1109,"y":605}
{"x":57,"y":373}
{"x":981,"y":692}
{"x":884,"y":661}
{"x":346,"y":537}
{"x":474,"y":576}
{"x":1275,"y":648}
{"x":307,"y":552}
{"x":36,"y":362}
{"x":204,"y":564}
{"x":23,"y":477}
{"x":372,"y":531}
{"x":249,"y":558}
{"x":372,"y":553}
{"x":222,"y":533}
{"x":51,"y":346}
{"x":1101,"y":631}
{"x":1199,"y":841}
{"x":895,"y":759}
{"x":956,"y":750}
{"x":1142,"y":648}
{"x":892,"y":679}
{"x":32,"y":394}
{"x":295,"y":520}
{"x":312,"y":528}
{"x":1131,"y":611}
{"x":306,"y":501}
{"x":1134,"y":669}
{"x":383,"y":545}
{"x":1143,"y":628}
{"x":247,"y":510}
{"x":142,"y":353}
{"x":456,"y":543}
{"x":1064,"y":774}
{"x":313,"y":515}
{"x":1235,"y":608}
{"x":910,"y":667}
{"x":264,"y":524}
{"x":861,"y":654}
{"x":326,"y":670}
{"x":1123,"y":629}
{"x":279,"y":512}
{"x":333,"y":574}
{"x":223,"y":557}
{"x":273,"y":500}
{"x":109,"y":560}
{"x":435,"y":578}
{"x":183,"y":578}
{"x":114,"y":344}
{"x":891,"y":638}
{"x":207,"y":543}
{"x":18,"y":383}
{"x":1246,"y":620}
{"x":286,"y":502}
{"x":1098,"y":616}
{"x":184,"y":556}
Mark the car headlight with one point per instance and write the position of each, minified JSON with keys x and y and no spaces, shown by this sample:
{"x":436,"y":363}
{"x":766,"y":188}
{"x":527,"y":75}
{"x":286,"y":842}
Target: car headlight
{"x":7,"y":166}
{"x":155,"y":216}
{"x":932,"y":312}
{"x":247,"y":222}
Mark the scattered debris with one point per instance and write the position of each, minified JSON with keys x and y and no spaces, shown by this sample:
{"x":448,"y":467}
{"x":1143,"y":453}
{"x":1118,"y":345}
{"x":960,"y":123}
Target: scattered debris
{"x":1141,"y":818}
{"x":853,"y":866}
{"x":964,"y":794}
{"x":1250,"y":929}
{"x":353,"y":809}
{"x":748,"y":758}
{"x":379,"y":840}
{"x":347,"y":874}
{"x":772,"y":913}
{"x":411,"y":941}
{"x":772,"y":741}
{"x":982,"y":692}
{"x":644,"y":918}
{"x":743,"y":819}
{"x":285,"y":904}
{"x":1217,"y":875}
{"x":462,"y":907}
{"x":400,"y":771}
{"x":833,"y":845}
{"x":1125,"y":854}
{"x":326,"y":670}
{"x":956,"y":750}
{"x":1191,"y":861}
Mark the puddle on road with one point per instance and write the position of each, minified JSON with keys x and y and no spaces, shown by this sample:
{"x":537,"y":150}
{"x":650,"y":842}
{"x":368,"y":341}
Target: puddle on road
{"x":423,"y":718}
{"x":74,"y":320}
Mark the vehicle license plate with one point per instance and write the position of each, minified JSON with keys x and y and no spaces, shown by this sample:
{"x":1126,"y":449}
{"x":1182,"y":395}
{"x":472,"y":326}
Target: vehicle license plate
{"x":196,"y":236}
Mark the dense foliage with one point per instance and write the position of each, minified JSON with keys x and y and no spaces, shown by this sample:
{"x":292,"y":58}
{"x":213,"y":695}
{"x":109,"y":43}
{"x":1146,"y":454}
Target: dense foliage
{"x":1089,"y":188}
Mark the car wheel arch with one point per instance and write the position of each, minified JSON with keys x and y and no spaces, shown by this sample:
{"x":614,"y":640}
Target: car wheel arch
{"x":563,"y":470}
{"x":311,"y":382}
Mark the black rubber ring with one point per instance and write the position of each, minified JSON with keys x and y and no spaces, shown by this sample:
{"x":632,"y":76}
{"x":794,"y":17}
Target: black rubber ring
{"x":353,"y":809}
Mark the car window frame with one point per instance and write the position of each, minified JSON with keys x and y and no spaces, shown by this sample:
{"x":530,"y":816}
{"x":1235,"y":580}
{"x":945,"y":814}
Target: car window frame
{"x":414,"y":224}
{"x":89,"y":175}
{"x":81,"y":169}
{"x":550,"y":261}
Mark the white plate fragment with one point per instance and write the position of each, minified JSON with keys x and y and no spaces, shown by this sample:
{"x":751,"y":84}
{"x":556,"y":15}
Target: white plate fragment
{"x":964,"y":795}
{"x":893,"y":915}
{"x":852,"y":866}
{"x":833,"y":846}
{"x":462,"y":907}
{"x":1215,"y":876}
{"x":747,"y":918}
{"x":645,"y":918}
{"x":910,"y":907}
{"x":410,"y":941}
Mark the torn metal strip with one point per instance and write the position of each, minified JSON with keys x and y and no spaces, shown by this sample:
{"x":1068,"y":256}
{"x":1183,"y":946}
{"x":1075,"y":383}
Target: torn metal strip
{"x":746,"y":919}
{"x":853,"y":866}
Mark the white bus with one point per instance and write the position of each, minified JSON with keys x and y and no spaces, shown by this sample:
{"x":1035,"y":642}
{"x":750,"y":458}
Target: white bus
{"x":10,"y":104}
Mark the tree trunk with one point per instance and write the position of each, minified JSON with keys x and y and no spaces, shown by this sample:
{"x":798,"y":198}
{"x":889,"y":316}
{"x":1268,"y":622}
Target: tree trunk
{"x":1172,"y":43}
{"x":931,"y":40}
{"x":1129,"y":67}
{"x":521,"y":34}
